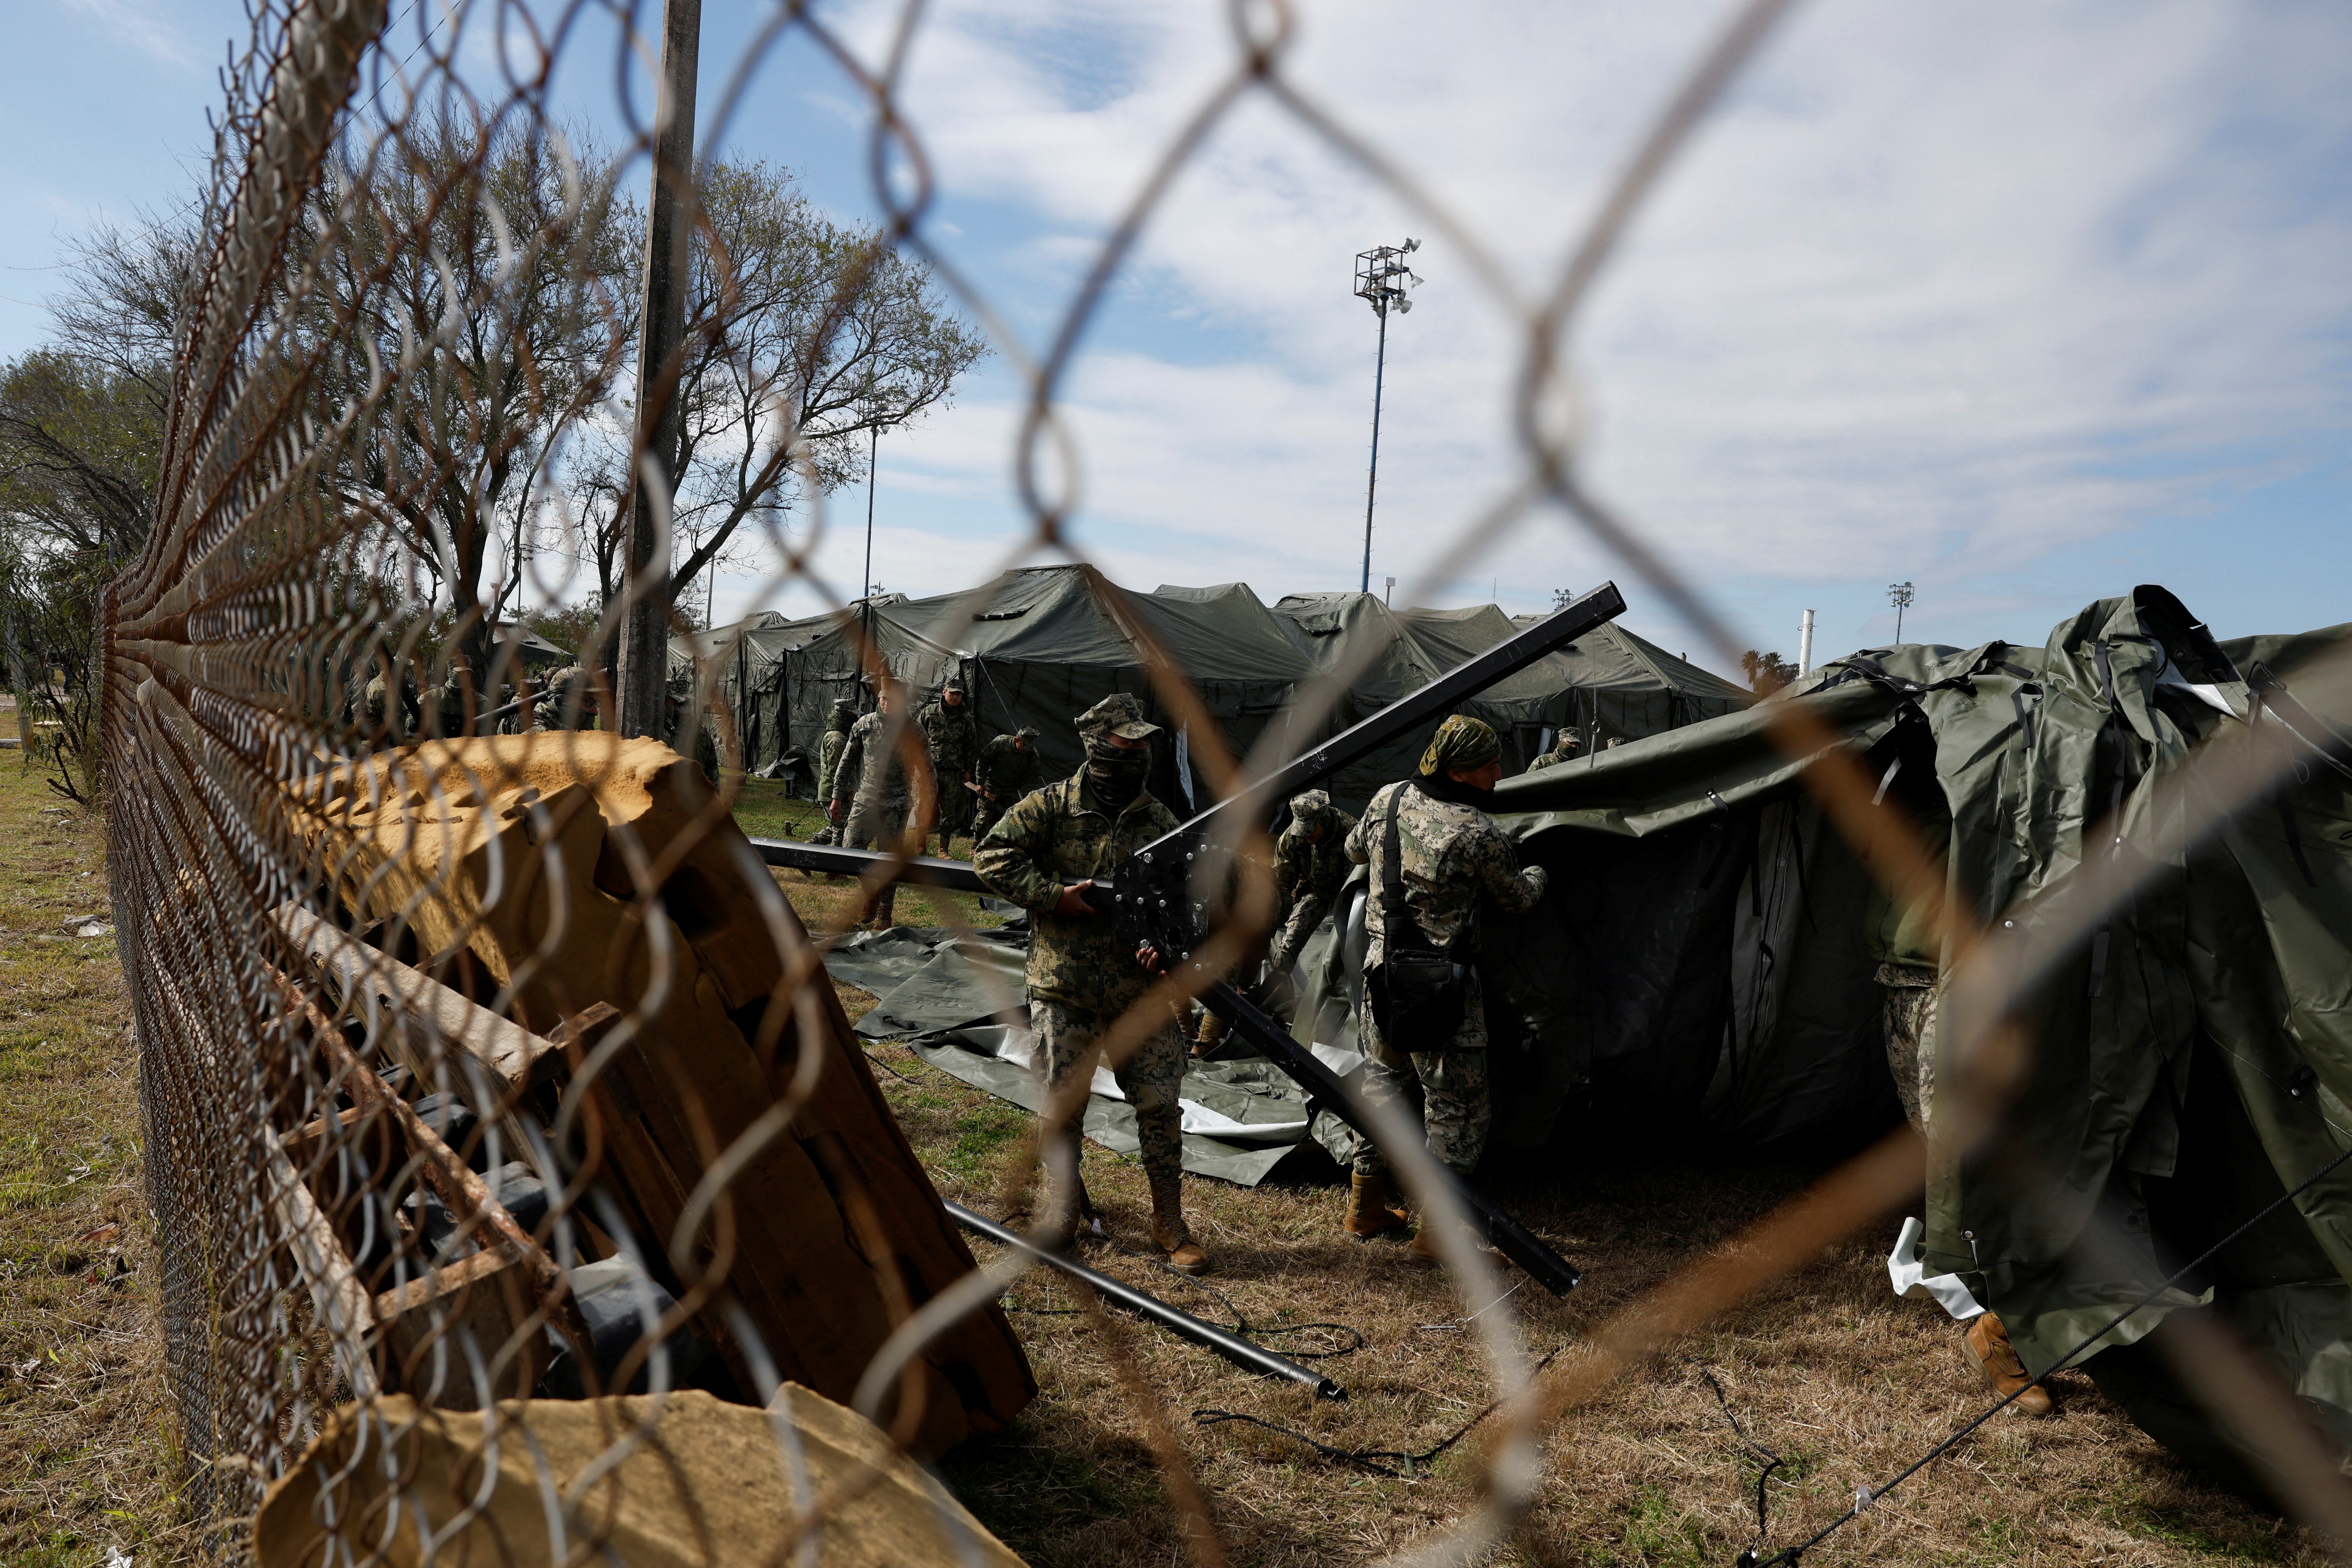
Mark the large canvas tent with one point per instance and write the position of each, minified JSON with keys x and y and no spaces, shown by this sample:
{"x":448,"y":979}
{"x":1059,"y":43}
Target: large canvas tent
{"x":1709,"y":954}
{"x":1040,"y":645}
{"x":1608,"y":684}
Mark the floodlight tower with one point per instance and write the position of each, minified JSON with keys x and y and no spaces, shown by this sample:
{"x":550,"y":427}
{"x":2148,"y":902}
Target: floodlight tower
{"x":1382,"y":279}
{"x":1899,"y":595}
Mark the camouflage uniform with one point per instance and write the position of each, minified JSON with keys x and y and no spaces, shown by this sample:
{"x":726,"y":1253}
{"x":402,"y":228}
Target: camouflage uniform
{"x":1004,"y":773}
{"x":1910,"y":1023}
{"x":1452,"y":854}
{"x":1562,"y":749}
{"x":1307,"y":871}
{"x":878,"y":796}
{"x":1080,"y":977}
{"x":828,"y":764}
{"x":952,"y":735}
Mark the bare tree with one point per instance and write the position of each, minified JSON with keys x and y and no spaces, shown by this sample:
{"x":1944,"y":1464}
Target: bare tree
{"x":489,"y":352}
{"x":802,"y":335}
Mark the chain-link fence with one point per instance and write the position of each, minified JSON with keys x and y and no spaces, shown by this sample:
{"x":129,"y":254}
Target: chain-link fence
{"x":483,"y":1058}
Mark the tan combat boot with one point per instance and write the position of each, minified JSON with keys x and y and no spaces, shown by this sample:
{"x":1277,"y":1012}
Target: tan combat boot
{"x":1370,"y":1210}
{"x":1987,"y":1345}
{"x":1169,"y":1233}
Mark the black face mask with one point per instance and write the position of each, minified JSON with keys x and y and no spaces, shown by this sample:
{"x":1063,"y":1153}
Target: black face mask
{"x":1441,"y":787}
{"x":1115,"y":771}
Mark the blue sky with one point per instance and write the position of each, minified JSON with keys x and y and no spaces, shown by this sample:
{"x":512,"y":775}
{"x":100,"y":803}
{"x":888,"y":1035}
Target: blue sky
{"x":2025,"y":301}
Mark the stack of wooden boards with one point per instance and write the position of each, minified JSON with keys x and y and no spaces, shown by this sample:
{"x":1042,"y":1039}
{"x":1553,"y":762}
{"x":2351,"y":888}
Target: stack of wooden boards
{"x":661,"y":1024}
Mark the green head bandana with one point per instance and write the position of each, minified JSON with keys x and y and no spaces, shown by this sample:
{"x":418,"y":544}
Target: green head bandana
{"x":1461,"y":742}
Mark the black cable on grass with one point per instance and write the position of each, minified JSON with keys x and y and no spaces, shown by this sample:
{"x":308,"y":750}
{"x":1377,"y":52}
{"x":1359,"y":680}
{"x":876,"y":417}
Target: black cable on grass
{"x":1367,"y":1459}
{"x":1763,"y":1456}
{"x":1241,"y":1325}
{"x":1789,"y":1556}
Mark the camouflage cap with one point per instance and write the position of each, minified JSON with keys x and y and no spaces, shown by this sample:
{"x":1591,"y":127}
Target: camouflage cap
{"x":1118,"y":714}
{"x":845,"y":704}
{"x":952,"y":683}
{"x":1310,"y":807}
{"x":1026,"y":732}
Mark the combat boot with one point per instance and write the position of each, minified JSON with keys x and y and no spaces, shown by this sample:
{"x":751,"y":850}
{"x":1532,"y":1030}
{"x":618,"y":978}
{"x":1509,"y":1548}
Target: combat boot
{"x":1372,"y":1211}
{"x":1987,"y":1345}
{"x":1169,"y":1233}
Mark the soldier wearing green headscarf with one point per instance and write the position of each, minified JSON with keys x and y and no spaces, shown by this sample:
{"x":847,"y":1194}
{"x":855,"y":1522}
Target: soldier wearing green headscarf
{"x":1451,"y":859}
{"x":1043,"y":855}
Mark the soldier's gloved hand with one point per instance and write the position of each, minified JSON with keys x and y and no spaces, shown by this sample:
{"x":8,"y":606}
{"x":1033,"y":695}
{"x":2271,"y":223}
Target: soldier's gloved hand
{"x":1072,"y":901}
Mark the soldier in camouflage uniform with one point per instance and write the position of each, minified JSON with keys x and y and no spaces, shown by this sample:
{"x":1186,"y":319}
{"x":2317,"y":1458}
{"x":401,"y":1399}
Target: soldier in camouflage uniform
{"x":873,"y":798}
{"x":1079,"y":980}
{"x":1563,"y":749}
{"x":828,"y":761}
{"x":952,"y":736}
{"x":1310,"y":862}
{"x":1453,"y":858}
{"x":1007,"y":769}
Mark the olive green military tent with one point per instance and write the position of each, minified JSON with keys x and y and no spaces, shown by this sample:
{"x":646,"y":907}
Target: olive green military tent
{"x":1041,"y":645}
{"x":1709,"y":954}
{"x":1607,"y":685}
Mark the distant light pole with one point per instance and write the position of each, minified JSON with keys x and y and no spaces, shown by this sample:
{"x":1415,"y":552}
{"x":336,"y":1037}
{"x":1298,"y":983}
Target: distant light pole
{"x":1382,"y":279}
{"x":873,"y":461}
{"x":1899,"y":595}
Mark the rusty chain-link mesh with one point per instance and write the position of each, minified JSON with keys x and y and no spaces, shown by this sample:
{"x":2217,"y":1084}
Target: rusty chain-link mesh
{"x":479,"y":1053}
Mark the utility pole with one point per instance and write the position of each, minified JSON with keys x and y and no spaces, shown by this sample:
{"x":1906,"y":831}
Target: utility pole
{"x":1805,"y":644}
{"x":670,"y":229}
{"x":1899,"y":595}
{"x":873,"y":461}
{"x":1382,"y":279}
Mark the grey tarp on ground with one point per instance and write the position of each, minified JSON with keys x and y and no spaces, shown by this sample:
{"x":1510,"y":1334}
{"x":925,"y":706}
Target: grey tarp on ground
{"x":957,"y":1001}
{"x":2191,"y":1062}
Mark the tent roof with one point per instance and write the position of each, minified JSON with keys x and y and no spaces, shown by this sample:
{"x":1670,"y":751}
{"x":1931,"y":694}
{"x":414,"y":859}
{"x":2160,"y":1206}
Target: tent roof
{"x":536,"y":649}
{"x":1057,"y":615}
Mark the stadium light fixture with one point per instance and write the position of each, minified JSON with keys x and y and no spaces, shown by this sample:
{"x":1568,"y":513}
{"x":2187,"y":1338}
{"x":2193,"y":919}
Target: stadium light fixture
{"x":1382,"y":279}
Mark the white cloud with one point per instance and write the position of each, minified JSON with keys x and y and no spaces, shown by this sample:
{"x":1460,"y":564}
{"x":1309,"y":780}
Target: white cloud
{"x":1959,"y":284}
{"x":135,"y":22}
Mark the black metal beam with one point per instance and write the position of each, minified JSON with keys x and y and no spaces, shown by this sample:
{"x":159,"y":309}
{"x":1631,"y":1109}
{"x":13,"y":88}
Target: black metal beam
{"x":1241,"y":1352}
{"x":1358,"y":741}
{"x":1514,"y":1240}
{"x":833,"y":860}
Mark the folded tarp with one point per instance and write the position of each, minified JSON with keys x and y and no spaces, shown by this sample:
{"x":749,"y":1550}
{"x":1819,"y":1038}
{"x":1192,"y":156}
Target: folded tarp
{"x":957,"y":1001}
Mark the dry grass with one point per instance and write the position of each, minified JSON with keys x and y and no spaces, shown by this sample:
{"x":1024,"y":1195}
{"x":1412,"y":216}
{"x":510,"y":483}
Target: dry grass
{"x":86,"y":1452}
{"x":1828,"y":1369}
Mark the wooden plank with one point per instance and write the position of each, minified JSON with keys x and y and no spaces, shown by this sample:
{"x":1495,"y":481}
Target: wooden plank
{"x":336,"y":1293}
{"x":511,"y":1053}
{"x":486,"y":1298}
